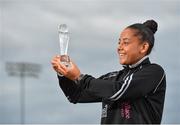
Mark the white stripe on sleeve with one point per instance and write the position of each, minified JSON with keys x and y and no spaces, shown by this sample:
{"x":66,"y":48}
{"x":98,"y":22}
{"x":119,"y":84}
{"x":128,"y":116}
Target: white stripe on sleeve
{"x":123,"y":88}
{"x":122,"y":92}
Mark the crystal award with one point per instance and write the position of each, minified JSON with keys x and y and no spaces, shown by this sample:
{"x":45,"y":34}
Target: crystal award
{"x":63,"y":42}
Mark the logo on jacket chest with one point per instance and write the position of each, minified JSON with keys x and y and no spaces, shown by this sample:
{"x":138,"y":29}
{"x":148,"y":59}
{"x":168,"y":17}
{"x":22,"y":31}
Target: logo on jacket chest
{"x":125,"y":110}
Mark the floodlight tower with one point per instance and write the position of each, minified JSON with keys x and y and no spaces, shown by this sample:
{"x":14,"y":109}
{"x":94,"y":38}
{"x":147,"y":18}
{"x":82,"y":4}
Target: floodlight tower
{"x":22,"y":70}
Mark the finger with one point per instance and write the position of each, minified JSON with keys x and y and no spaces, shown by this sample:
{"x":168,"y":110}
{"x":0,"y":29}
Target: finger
{"x":56,"y":68}
{"x":57,"y":57}
{"x":54,"y":64}
{"x":63,"y":67}
{"x":53,"y":61}
{"x":61,"y":71}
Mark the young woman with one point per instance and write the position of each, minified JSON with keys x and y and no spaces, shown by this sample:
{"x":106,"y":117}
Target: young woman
{"x":132,"y":95}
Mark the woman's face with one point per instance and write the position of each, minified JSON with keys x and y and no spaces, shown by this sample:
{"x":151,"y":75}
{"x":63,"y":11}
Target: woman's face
{"x":130,"y":48}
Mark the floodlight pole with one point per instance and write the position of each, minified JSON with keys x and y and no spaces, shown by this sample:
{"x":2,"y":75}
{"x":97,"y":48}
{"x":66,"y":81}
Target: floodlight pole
{"x":22,"y":95}
{"x":22,"y":70}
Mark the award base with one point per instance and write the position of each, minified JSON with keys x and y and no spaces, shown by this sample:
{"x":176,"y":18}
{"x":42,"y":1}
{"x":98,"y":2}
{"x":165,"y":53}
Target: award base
{"x":65,"y":60}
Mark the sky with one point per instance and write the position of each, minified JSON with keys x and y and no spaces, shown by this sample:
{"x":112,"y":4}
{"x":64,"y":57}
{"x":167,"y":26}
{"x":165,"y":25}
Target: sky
{"x":28,"y":34}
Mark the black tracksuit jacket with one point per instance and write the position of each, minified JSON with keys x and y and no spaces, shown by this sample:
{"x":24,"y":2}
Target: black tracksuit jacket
{"x":132,"y":95}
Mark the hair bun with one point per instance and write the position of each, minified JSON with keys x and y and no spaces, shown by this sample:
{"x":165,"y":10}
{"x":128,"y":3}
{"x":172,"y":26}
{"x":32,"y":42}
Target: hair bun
{"x":152,"y":25}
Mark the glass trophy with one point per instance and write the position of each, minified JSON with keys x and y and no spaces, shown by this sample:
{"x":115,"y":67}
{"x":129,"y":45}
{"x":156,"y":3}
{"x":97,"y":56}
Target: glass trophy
{"x":63,"y":42}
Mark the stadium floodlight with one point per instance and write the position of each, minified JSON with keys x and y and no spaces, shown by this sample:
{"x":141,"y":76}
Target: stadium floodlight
{"x":22,"y":70}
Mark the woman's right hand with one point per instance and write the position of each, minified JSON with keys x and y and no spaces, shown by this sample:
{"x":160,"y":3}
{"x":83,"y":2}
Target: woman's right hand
{"x":57,"y":66}
{"x":72,"y":72}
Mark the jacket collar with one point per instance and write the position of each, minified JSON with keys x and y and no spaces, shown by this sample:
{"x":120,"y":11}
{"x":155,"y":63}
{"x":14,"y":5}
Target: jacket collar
{"x":142,"y":61}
